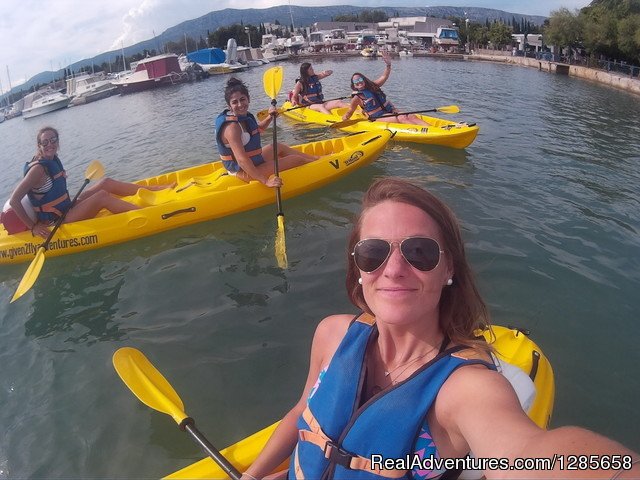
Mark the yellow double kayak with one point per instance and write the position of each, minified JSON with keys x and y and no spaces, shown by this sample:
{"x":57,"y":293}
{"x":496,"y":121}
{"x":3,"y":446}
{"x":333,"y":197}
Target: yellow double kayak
{"x":511,"y":346}
{"x":440,"y":132}
{"x":203,"y":192}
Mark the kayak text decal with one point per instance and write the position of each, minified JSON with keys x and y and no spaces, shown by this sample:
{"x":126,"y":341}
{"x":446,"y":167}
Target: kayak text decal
{"x":355,"y":156}
{"x":62,"y":243}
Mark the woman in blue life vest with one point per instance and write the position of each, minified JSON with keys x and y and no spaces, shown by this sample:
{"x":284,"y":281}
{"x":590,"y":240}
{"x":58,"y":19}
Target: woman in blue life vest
{"x":368,"y":95}
{"x":239,"y":144}
{"x":408,"y":377}
{"x":308,"y":90}
{"x":45,"y":183}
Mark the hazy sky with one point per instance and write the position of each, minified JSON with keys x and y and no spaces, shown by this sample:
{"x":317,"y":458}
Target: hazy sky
{"x":36,"y":36}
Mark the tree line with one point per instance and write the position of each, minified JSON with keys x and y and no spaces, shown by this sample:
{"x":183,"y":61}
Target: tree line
{"x":606,"y":28}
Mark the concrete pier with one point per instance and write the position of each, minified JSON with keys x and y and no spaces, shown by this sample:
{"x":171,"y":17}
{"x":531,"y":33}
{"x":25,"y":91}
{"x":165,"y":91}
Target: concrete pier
{"x":616,"y":80}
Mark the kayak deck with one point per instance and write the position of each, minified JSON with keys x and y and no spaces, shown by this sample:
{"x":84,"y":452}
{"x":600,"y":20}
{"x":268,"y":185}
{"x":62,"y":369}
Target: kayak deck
{"x":202,"y":192}
{"x":440,"y":132}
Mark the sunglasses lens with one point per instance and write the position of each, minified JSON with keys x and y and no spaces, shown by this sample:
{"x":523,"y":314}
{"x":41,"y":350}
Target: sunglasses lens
{"x":421,"y":253}
{"x":370,"y":254}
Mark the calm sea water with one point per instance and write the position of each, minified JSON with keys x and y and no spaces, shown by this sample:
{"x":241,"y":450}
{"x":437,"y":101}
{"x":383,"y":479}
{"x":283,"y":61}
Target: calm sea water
{"x":547,"y":196}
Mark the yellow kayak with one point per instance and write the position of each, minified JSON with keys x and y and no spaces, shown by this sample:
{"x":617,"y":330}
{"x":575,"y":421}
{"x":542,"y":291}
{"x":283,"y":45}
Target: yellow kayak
{"x":203,"y":192}
{"x":511,"y":346}
{"x":441,"y":132}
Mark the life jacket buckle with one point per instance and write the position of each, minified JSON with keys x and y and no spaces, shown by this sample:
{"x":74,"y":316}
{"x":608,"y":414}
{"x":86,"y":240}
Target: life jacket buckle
{"x":337,"y":455}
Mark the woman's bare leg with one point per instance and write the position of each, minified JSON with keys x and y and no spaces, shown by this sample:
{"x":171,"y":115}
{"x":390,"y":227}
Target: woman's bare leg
{"x":90,"y":206}
{"x":286,"y":151}
{"x":116,"y":187}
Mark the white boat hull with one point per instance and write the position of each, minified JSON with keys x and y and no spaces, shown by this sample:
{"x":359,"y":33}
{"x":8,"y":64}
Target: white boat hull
{"x":49,"y":107}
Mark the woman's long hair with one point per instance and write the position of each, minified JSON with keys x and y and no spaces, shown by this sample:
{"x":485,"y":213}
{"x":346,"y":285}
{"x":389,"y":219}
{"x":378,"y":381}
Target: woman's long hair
{"x":304,"y":76}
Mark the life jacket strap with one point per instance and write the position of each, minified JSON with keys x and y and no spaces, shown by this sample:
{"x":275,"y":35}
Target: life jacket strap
{"x":252,"y":153}
{"x":50,"y":206}
{"x":335,"y":454}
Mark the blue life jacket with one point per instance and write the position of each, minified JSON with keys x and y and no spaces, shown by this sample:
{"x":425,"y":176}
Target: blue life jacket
{"x":253,"y":147}
{"x":375,"y":104}
{"x":338,"y":434}
{"x":313,"y":91}
{"x":51,"y":205}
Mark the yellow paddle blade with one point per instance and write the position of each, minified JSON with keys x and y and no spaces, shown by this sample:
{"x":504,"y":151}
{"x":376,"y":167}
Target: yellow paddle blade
{"x":147,"y":383}
{"x":94,"y":171}
{"x":30,"y":276}
{"x":262,"y":114}
{"x":281,"y":248}
{"x":272,"y":80}
{"x":449,"y":109}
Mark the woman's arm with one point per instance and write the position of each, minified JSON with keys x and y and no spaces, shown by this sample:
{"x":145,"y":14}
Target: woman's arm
{"x":231,"y":135}
{"x":35,"y":177}
{"x":478,"y":410}
{"x":324,"y":74}
{"x":328,"y":335}
{"x":295,"y":98}
{"x":387,"y":69}
{"x":266,"y":121}
{"x":355,"y":103}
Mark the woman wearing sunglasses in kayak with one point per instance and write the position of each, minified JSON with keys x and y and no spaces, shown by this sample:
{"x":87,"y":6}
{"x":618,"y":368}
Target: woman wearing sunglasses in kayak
{"x":368,"y":95}
{"x":45,"y":183}
{"x":408,"y":377}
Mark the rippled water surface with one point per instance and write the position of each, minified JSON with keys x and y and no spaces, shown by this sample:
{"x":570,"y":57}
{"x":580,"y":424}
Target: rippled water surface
{"x":547,"y":196}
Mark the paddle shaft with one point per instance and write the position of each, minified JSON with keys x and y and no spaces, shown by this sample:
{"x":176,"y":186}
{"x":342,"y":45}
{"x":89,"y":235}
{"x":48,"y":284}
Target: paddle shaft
{"x":45,"y":245}
{"x":275,"y":160}
{"x":213,"y":452}
{"x":347,"y":123}
{"x":405,"y":113}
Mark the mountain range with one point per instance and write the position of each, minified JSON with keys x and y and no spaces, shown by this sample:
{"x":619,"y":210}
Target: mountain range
{"x":302,"y":17}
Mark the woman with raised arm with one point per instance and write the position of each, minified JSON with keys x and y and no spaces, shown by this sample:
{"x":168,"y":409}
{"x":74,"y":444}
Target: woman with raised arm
{"x":308,"y":90}
{"x":368,"y":95}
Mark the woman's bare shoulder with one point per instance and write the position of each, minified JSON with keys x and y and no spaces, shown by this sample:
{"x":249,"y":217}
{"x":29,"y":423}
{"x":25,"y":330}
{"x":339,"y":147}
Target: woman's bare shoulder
{"x":329,"y":333}
{"x":334,"y":325}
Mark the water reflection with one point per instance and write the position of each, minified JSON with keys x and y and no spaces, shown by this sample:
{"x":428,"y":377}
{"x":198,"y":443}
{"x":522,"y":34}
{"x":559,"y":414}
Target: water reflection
{"x":79,"y":303}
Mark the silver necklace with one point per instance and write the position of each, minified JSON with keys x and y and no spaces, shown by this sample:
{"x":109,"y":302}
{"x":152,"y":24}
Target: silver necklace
{"x":406,"y":364}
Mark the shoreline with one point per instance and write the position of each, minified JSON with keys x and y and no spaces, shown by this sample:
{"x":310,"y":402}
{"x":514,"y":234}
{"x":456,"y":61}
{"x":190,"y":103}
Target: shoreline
{"x":620,"y":82}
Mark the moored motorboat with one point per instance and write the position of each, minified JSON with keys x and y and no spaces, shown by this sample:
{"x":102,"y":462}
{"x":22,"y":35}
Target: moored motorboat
{"x":44,"y":101}
{"x":520,"y":360}
{"x":88,"y":88}
{"x":203,"y":192}
{"x":440,"y":132}
{"x":151,"y":73}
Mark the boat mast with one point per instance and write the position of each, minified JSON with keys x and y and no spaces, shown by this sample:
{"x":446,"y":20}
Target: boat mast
{"x":124,"y":60}
{"x":292,"y":25}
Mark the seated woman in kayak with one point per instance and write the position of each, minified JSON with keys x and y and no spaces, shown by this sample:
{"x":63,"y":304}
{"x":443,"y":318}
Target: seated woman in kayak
{"x":368,"y":95}
{"x":239,"y":145}
{"x":308,"y":90}
{"x":408,"y":378}
{"x":45,"y":183}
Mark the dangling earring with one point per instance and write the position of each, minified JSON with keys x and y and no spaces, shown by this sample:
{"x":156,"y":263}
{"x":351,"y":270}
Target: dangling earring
{"x":360,"y":280}
{"x":450,"y":282}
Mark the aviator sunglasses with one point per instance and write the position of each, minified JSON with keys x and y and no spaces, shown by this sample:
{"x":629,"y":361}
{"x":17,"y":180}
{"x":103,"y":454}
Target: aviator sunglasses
{"x":47,"y":141}
{"x":422,"y":253}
